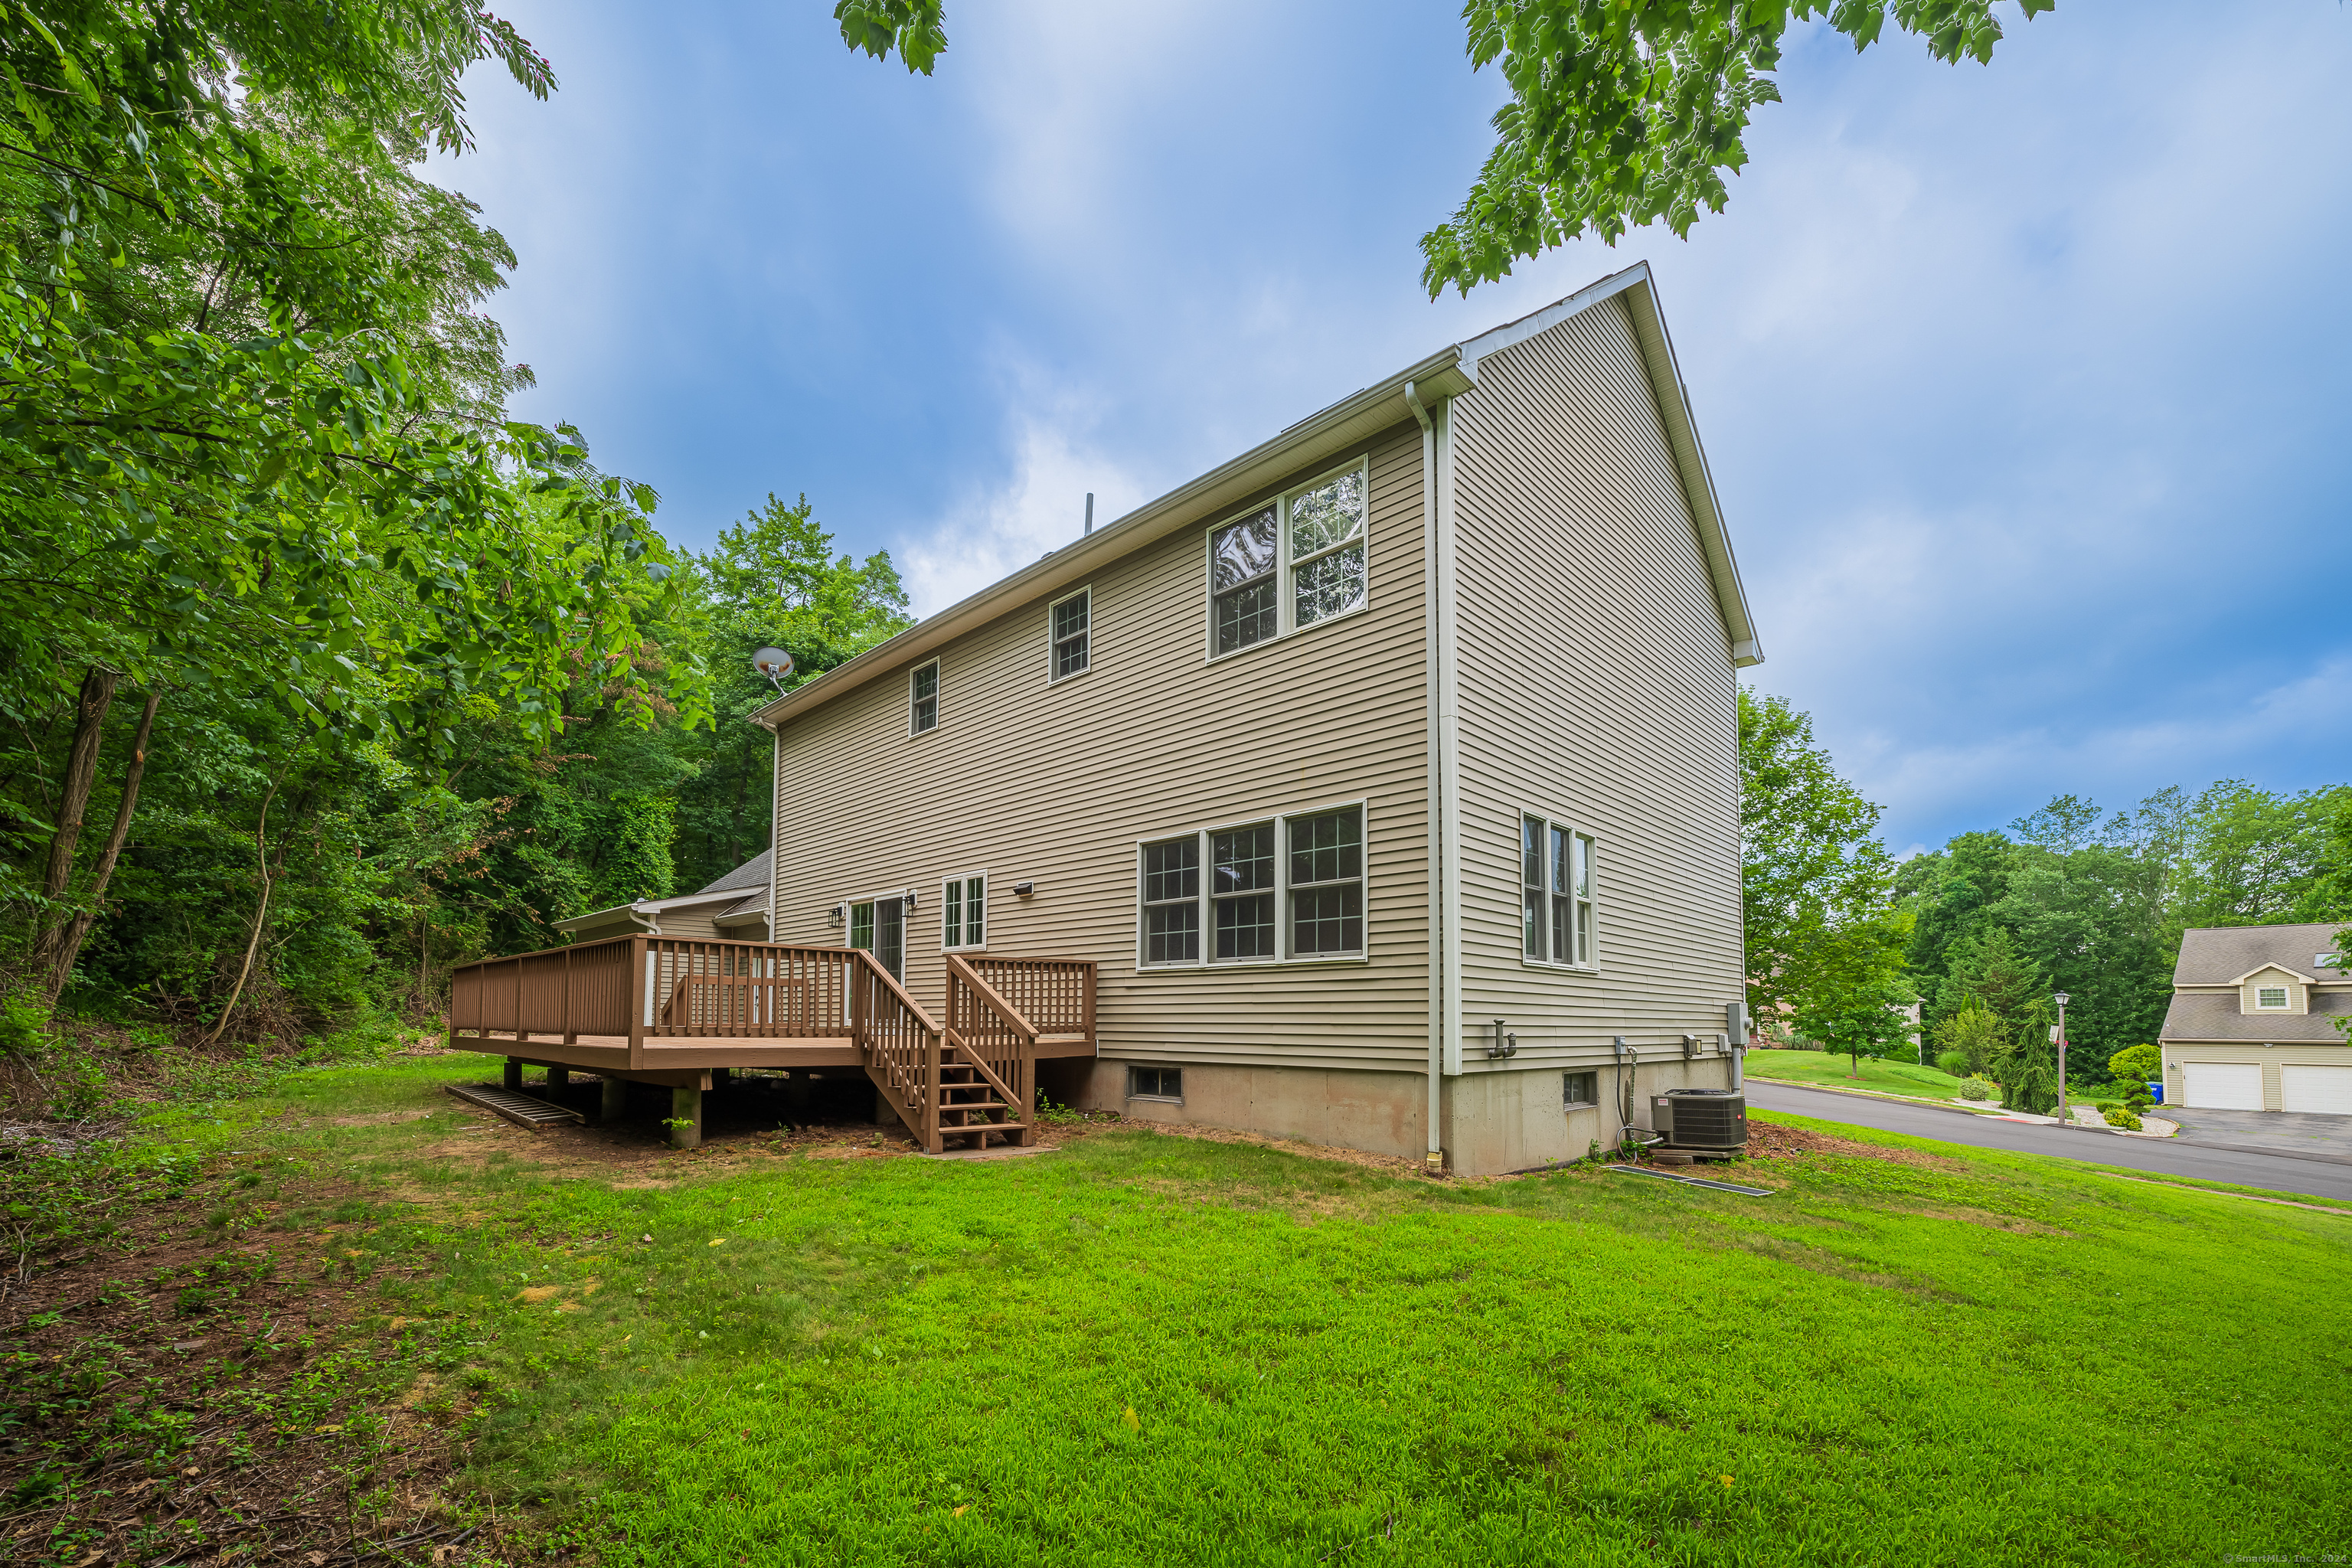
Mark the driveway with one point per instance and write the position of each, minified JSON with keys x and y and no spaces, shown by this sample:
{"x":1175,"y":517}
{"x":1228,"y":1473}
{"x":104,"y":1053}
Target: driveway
{"x":2300,"y":1132}
{"x":2282,"y":1170}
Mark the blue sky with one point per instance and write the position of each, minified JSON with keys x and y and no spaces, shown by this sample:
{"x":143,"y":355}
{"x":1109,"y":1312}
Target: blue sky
{"x":2028,"y":388}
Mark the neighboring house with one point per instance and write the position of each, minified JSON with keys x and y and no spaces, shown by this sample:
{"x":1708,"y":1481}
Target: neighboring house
{"x":2254,"y":1022}
{"x":735,"y":908}
{"x":1387,"y":775}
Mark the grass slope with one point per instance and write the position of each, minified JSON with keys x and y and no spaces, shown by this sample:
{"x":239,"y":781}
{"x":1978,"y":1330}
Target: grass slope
{"x":1833,"y":1071}
{"x":1149,"y":1348}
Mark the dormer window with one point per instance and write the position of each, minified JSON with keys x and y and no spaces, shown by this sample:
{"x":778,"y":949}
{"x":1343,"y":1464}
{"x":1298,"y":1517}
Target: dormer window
{"x":2270,"y":998}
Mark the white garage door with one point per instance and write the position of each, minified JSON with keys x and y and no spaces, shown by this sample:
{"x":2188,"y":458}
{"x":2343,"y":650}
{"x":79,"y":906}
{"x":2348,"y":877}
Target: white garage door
{"x":2224,"y":1086}
{"x":2316,"y":1089}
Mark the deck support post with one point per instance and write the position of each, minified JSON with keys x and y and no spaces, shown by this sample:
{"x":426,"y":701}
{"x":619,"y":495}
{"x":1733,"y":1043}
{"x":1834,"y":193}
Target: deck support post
{"x":686,"y":1108}
{"x":559,"y":1078}
{"x":513,"y":1073}
{"x":615,"y":1102}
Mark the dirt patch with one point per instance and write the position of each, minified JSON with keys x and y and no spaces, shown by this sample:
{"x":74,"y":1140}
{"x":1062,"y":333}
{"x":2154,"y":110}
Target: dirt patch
{"x":1770,"y":1141}
{"x":178,"y":1393}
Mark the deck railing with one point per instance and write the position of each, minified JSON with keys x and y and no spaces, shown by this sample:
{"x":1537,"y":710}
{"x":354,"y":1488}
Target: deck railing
{"x":641,"y":988}
{"x":1057,"y":996}
{"x":902,"y":1044}
{"x":650,"y":987}
{"x":996,"y":1039}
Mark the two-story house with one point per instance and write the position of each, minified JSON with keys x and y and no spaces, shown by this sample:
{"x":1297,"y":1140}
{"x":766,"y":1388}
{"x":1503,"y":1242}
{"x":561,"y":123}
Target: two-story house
{"x":1387,"y":774}
{"x":2254,"y":1021}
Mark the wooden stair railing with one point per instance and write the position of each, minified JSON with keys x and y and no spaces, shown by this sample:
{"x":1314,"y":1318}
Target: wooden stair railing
{"x":993,"y":1049}
{"x":902,"y":1046}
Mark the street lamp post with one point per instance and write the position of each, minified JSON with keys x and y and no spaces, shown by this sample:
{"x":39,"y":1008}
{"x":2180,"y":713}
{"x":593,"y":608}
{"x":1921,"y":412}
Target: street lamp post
{"x":2066,"y":1119}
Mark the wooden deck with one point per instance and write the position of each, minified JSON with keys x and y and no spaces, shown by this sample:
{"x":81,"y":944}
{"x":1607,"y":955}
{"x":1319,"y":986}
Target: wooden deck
{"x":666,"y":1011}
{"x":610,"y":1053}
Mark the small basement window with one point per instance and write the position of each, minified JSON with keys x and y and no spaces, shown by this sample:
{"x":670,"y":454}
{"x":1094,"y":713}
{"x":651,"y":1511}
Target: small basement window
{"x":2272,"y":996}
{"x":1579,"y":1089}
{"x":1155,"y":1083}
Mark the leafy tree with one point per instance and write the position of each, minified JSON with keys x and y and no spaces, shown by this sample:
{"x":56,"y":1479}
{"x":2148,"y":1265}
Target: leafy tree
{"x":1816,"y":884}
{"x":1859,"y":1006}
{"x":1975,"y":1035}
{"x":1953,"y":893}
{"x":2253,"y":856}
{"x":1989,"y":973}
{"x":774,"y":578}
{"x":1622,"y":112}
{"x":2027,"y":1067}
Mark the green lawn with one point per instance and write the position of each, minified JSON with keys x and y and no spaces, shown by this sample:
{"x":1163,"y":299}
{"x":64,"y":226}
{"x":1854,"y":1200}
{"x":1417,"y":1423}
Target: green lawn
{"x":1884,"y":1077}
{"x":1143,"y":1348}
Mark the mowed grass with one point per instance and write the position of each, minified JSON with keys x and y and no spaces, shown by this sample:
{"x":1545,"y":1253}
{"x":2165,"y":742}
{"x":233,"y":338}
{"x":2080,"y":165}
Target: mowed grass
{"x":1834,"y":1072}
{"x":2003,"y":1360}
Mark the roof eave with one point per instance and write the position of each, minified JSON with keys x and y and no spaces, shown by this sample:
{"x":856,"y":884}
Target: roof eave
{"x":1343,"y":425}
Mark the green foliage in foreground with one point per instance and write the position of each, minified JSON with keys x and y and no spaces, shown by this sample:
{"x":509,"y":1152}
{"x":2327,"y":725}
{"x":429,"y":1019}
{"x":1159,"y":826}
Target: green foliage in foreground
{"x":904,"y":1361}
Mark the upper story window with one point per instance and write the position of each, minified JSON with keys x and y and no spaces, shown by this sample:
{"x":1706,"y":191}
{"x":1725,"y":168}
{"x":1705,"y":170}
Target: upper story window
{"x":1288,"y":888}
{"x":1558,"y":893}
{"x":923,"y":699}
{"x":1290,"y":564}
{"x":1072,"y":634}
{"x":964,"y":911}
{"x":2270,"y":996}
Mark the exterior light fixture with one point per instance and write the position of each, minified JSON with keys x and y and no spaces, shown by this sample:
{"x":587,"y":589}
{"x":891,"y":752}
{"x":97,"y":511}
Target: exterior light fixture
{"x":2065,"y":1117}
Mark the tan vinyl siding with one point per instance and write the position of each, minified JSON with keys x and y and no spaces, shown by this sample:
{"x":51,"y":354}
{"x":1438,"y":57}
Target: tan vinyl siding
{"x":1607,"y":699}
{"x":693,"y":924}
{"x":1054,"y":781}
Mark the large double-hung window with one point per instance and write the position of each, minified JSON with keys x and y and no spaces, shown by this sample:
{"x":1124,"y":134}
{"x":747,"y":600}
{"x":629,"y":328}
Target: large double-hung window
{"x":1558,"y":893}
{"x":1284,"y":889}
{"x":1297,"y":562}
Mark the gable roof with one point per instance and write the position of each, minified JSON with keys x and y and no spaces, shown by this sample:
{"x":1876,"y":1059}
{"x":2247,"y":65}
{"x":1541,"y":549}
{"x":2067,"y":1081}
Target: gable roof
{"x":751,"y":878}
{"x":2215,"y":1016}
{"x":2226,"y":955}
{"x":1330,"y":433}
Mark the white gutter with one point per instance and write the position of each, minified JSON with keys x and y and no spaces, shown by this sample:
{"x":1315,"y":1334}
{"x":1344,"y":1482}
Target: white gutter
{"x":1434,"y":1112}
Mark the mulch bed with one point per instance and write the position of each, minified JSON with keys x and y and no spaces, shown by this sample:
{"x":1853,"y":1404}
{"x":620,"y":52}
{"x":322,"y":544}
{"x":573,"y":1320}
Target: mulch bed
{"x":1770,"y":1141}
{"x":184,"y":1392}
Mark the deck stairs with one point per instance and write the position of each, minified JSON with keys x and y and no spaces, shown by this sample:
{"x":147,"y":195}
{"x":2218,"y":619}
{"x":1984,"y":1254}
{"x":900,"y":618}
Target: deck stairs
{"x":962,"y":1081}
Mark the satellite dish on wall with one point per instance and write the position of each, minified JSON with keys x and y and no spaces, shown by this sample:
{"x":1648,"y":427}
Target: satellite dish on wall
{"x":774,"y":663}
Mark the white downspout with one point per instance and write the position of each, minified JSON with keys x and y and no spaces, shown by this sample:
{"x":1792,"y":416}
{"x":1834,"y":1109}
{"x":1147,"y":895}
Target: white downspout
{"x":1433,"y":1113}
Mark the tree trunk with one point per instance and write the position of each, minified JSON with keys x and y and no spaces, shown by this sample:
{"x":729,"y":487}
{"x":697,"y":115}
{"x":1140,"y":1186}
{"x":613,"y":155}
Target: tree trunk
{"x":69,"y":943}
{"x":81,"y":775}
{"x":260,"y":916}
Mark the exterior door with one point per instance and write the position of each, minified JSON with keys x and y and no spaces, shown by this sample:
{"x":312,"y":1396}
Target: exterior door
{"x":2328,"y":1090}
{"x":2222,"y":1086}
{"x":880,"y":928}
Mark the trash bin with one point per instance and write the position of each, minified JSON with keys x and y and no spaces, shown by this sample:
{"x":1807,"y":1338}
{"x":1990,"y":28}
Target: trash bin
{"x":2155,"y":1090}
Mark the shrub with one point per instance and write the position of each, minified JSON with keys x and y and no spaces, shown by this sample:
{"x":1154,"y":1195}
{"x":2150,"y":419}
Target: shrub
{"x":2136,"y":1064}
{"x":23,"y":1024}
{"x":2117,"y":1115}
{"x":1975,"y":1089}
{"x":1954,"y":1062}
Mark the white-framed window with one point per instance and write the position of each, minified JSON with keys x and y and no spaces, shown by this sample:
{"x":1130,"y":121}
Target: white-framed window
{"x":963,"y":912}
{"x":1283,"y":889}
{"x":1156,"y":1083}
{"x":1069,"y":635}
{"x":923,"y":698}
{"x":1559,"y":893}
{"x":1293,"y":562}
{"x":2270,"y":998}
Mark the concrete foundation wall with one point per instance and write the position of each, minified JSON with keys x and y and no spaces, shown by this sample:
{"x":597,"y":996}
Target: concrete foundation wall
{"x":1493,"y":1121}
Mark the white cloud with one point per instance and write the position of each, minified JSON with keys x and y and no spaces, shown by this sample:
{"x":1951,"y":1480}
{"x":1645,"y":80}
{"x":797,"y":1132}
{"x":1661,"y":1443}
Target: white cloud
{"x":1039,"y":505}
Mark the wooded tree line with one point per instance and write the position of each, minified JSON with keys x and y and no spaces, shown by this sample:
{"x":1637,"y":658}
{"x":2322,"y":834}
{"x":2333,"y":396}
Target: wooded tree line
{"x":1983,"y":932}
{"x":317,"y":672}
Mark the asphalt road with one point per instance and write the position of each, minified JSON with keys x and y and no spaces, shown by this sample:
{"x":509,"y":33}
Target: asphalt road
{"x":2167,"y":1157}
